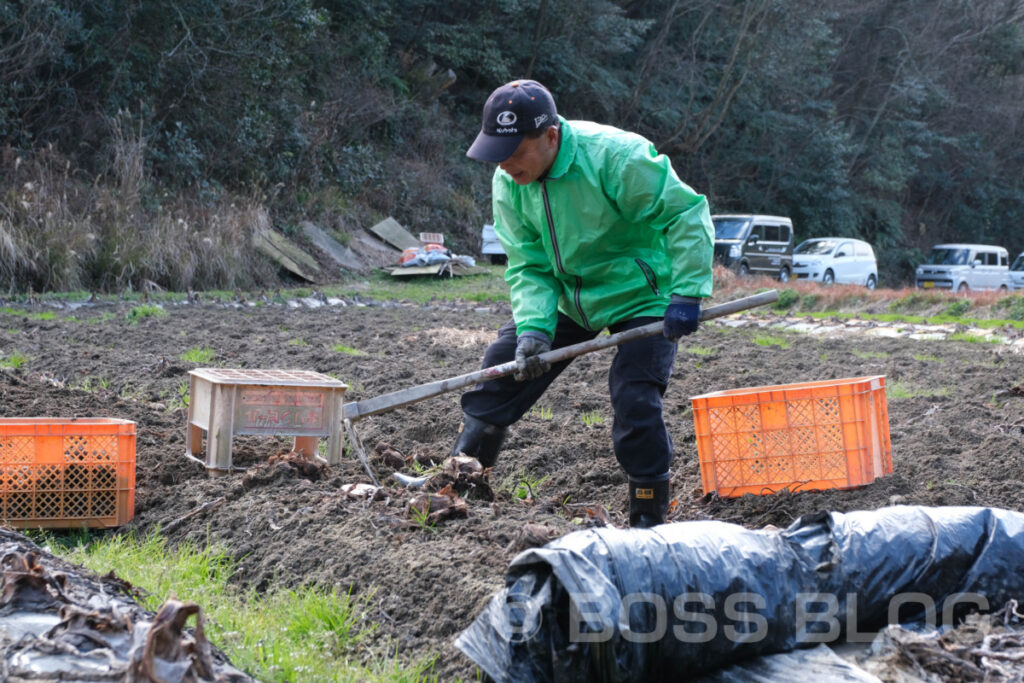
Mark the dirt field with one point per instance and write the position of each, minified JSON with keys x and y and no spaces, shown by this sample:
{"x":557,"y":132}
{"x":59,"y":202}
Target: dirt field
{"x":957,"y":439}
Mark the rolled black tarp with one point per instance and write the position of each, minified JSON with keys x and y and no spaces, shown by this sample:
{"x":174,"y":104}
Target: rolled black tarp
{"x":687,"y":598}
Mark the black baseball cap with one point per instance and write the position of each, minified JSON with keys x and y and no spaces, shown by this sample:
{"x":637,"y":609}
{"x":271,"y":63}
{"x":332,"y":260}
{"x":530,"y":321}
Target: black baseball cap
{"x":511,"y":111}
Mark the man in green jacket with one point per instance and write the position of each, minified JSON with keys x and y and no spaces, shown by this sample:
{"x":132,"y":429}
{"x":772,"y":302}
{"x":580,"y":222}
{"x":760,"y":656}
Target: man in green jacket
{"x":600,"y":233}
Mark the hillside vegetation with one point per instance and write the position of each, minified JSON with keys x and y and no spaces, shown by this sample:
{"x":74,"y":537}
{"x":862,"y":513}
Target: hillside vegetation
{"x":145,"y":142}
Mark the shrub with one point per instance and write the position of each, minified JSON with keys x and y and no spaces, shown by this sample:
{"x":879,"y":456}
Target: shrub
{"x":915,"y":301}
{"x":1014,"y":306}
{"x":788,"y":298}
{"x":958,"y":308}
{"x":809,"y":301}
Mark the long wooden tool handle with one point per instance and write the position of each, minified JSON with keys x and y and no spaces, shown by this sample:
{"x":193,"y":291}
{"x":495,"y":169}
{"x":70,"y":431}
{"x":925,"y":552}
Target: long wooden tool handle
{"x":396,"y":399}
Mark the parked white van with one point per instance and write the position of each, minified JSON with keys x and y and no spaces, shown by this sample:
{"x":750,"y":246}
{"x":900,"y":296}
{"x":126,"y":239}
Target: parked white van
{"x":836,"y":259}
{"x":963,"y":267}
{"x":1017,"y":273}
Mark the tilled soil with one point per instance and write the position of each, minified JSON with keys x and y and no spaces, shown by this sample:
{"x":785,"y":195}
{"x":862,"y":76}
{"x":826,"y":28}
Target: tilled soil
{"x":957,"y":432}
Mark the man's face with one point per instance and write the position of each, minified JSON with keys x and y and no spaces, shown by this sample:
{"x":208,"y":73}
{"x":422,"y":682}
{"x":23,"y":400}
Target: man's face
{"x":532,"y":158}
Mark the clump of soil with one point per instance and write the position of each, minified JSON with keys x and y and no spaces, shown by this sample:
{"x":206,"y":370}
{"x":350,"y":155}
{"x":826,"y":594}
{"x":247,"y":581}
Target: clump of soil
{"x":956,"y":432}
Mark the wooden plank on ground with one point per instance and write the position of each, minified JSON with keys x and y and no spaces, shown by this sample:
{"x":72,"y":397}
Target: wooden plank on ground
{"x":340,"y":254}
{"x":287,"y":255}
{"x":461,"y":269}
{"x":394,"y":234}
{"x":409,"y":271}
{"x":449,"y":268}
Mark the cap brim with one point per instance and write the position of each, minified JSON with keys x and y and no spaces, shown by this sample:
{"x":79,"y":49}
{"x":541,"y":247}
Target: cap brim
{"x":493,"y":148}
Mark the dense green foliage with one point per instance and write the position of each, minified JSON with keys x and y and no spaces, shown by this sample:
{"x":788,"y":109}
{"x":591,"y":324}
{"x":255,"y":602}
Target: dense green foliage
{"x":891,"y":120}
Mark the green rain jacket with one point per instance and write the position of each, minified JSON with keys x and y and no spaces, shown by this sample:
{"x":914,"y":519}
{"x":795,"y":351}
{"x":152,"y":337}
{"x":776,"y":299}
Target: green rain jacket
{"x":608,"y":235}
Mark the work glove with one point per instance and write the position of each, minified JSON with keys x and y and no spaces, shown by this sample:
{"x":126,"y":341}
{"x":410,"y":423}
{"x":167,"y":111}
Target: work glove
{"x":528,"y":347}
{"x":681,"y":317}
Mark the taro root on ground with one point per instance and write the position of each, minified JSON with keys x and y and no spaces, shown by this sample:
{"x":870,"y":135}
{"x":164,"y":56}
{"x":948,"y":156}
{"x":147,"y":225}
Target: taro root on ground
{"x":431,"y":508}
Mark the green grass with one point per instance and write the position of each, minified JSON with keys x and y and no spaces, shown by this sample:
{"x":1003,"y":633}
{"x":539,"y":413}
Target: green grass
{"x":944,"y":318}
{"x":178,"y":398}
{"x":542,"y":412}
{"x":591,"y":418}
{"x":341,"y":348}
{"x":769,"y":340}
{"x":898,"y":389}
{"x":523,"y":484}
{"x":488,"y":287}
{"x":92,"y":384}
{"x":139,"y":313}
{"x":302,"y":634}
{"x":42,"y":315}
{"x":422,"y":518}
{"x":197,"y":354}
{"x":131,"y":393}
{"x":972,"y":338}
{"x":103,"y":318}
{"x":925,"y":358}
{"x":13,"y":360}
{"x":45,"y":315}
{"x":701,"y":350}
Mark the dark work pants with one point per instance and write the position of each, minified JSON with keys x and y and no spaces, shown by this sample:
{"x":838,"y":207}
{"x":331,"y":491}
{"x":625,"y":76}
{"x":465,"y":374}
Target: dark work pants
{"x":637,"y":380}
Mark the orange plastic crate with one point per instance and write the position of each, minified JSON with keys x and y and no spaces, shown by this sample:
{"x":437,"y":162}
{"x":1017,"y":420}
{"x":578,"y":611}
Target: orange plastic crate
{"x":66,"y":473}
{"x":804,"y":436}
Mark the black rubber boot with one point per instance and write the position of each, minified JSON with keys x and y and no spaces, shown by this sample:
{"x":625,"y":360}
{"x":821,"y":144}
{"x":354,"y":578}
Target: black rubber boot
{"x":648,"y":501}
{"x":479,"y":440}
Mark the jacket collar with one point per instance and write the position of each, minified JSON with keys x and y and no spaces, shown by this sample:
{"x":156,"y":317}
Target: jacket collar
{"x":566,"y":150}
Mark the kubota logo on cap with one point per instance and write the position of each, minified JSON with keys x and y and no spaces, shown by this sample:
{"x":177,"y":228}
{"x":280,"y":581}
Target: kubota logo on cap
{"x":507,"y":118}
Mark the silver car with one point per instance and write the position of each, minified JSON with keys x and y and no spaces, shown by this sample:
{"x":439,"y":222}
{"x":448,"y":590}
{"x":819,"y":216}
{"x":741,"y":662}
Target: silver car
{"x":964,"y":267}
{"x":1017,"y":273}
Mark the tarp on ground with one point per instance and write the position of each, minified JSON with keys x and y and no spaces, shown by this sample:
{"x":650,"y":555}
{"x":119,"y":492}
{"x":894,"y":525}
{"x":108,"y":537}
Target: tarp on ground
{"x":59,"y":622}
{"x":686,"y":598}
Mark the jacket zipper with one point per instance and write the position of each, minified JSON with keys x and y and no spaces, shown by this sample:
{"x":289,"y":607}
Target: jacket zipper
{"x":652,"y":279}
{"x":558,"y":256}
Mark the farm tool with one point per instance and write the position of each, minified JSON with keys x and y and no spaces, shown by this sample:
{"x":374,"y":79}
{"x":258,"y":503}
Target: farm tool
{"x":357,"y":410}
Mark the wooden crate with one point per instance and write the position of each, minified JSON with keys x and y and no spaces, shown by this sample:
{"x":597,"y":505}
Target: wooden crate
{"x":224,"y":402}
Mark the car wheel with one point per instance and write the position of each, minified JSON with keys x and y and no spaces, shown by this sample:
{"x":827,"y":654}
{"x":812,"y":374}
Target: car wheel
{"x":963,"y":288}
{"x":871,"y":283}
{"x":744,"y":269}
{"x":1003,"y":289}
{"x":784,"y":275}
{"x":829,"y":278}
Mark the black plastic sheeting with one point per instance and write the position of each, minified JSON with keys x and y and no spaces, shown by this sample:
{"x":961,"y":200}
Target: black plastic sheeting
{"x":59,"y":622}
{"x":687,"y":598}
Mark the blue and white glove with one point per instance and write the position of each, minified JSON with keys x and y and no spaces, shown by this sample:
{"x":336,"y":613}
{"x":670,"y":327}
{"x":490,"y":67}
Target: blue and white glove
{"x":681,"y":317}
{"x":529,"y":346}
